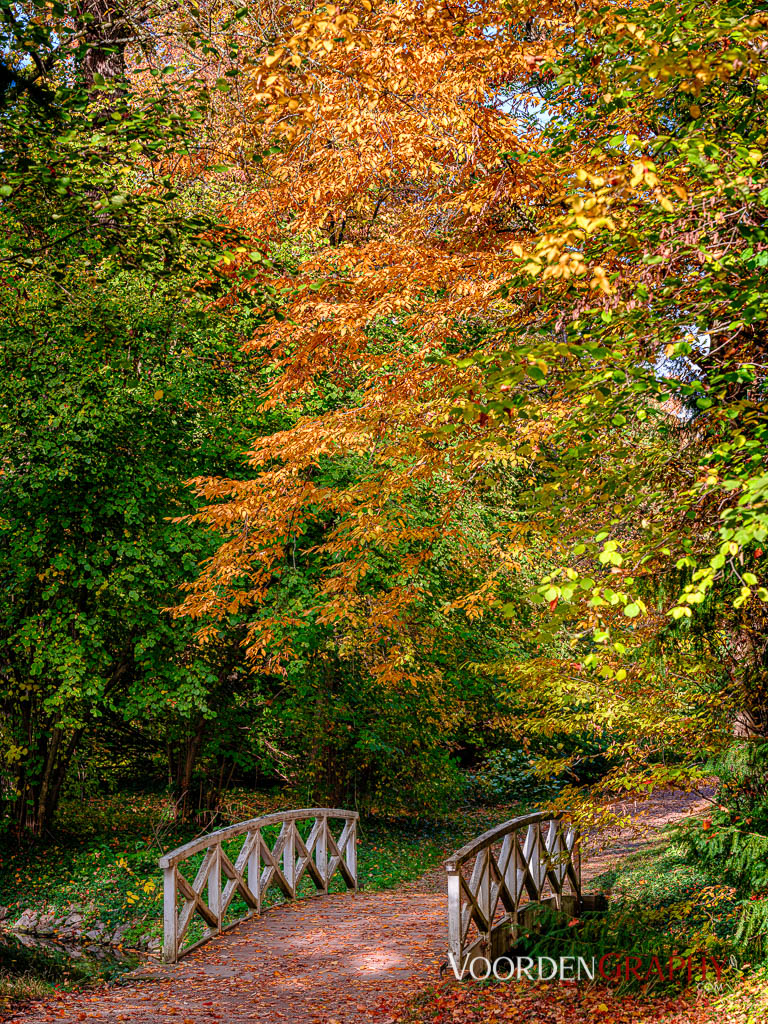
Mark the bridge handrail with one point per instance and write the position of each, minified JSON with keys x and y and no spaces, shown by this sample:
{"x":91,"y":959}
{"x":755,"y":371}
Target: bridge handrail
{"x":230,"y":831}
{"x":492,"y":834}
{"x":258,"y":867}
{"x":548,"y":858}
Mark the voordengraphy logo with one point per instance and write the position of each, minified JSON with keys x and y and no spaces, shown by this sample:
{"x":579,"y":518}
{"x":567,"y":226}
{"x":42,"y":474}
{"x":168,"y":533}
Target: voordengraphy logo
{"x":609,"y":967}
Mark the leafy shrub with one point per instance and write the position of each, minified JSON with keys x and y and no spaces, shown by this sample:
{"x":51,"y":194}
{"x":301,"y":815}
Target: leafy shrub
{"x":508,"y":774}
{"x":511,"y":773}
{"x":691,"y":922}
{"x":660,"y":906}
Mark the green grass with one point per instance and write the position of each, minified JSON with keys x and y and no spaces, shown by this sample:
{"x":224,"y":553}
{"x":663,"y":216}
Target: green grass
{"x":102,"y":862}
{"x":22,"y":988}
{"x":657,"y":892}
{"x":657,"y":873}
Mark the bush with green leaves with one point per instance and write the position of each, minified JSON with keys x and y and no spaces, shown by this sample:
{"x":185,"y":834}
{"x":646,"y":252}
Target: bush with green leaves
{"x":110,"y":396}
{"x":508,"y":774}
{"x":514,"y":773}
{"x":732,"y":841}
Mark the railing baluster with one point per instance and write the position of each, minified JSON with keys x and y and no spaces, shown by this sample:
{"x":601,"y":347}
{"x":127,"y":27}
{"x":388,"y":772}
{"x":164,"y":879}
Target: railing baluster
{"x":254,"y":866}
{"x":484,"y":885}
{"x":170,"y":917}
{"x":214,"y":886}
{"x":289,"y":857}
{"x":321,"y":854}
{"x":352,"y":851}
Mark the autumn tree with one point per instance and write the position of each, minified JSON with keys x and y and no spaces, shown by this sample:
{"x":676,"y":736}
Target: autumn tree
{"x":395,"y":148}
{"x":659,"y":458}
{"x":549,"y":204}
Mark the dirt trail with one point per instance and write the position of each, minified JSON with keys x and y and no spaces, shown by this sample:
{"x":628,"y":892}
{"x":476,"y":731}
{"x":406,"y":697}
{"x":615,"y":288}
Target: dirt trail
{"x":661,"y":809}
{"x":343,"y":959}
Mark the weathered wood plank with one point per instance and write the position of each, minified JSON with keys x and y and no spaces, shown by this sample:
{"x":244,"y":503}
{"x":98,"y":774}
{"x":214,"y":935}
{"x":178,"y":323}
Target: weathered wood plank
{"x":170,"y":918}
{"x":196,"y":845}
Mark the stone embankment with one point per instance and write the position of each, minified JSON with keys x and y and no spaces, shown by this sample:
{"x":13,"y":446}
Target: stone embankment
{"x":70,"y":928}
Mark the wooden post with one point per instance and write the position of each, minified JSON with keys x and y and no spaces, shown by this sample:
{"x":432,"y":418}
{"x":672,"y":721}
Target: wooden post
{"x":352,"y":851}
{"x":484,"y":893}
{"x":576,"y":858}
{"x":530,"y":849}
{"x":214,"y":886}
{"x":454,"y":918}
{"x":289,"y":856}
{"x":321,"y":852}
{"x":170,"y":919}
{"x":515,"y":879}
{"x":254,"y":867}
{"x":555,"y":853}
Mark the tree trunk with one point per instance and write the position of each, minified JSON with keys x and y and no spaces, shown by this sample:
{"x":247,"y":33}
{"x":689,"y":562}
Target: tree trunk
{"x":38,"y":801}
{"x":186,"y":768}
{"x":106,"y":31}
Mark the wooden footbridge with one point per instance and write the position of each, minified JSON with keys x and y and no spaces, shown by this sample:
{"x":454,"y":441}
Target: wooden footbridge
{"x":281,"y":852}
{"x":348,"y":957}
{"x":492,"y":882}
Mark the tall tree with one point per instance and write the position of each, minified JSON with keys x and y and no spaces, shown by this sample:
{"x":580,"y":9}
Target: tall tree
{"x":113,"y":378}
{"x":562,"y":210}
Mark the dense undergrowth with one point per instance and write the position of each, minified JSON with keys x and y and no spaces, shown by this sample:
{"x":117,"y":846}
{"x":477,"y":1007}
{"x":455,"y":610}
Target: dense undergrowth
{"x":661,"y":904}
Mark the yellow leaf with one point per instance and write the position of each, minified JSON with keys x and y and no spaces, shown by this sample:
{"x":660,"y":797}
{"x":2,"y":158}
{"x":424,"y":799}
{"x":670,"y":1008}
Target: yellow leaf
{"x":603,"y":285}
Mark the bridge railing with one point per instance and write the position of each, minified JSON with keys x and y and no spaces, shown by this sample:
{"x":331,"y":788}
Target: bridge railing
{"x":250,"y":865}
{"x":534,"y":859}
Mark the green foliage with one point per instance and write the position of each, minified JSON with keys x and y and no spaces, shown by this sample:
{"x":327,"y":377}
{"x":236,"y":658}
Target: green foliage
{"x":742,"y":774}
{"x":635,"y":395}
{"x":78,"y":139}
{"x":509,"y":774}
{"x":116,"y":386}
{"x":732,"y":842}
{"x":108,"y":402}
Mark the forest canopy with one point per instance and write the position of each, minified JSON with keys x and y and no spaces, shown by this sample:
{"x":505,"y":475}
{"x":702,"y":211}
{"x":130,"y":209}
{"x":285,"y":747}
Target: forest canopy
{"x":382,"y":400}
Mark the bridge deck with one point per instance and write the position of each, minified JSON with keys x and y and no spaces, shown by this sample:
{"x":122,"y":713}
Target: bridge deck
{"x":344,"y":958}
